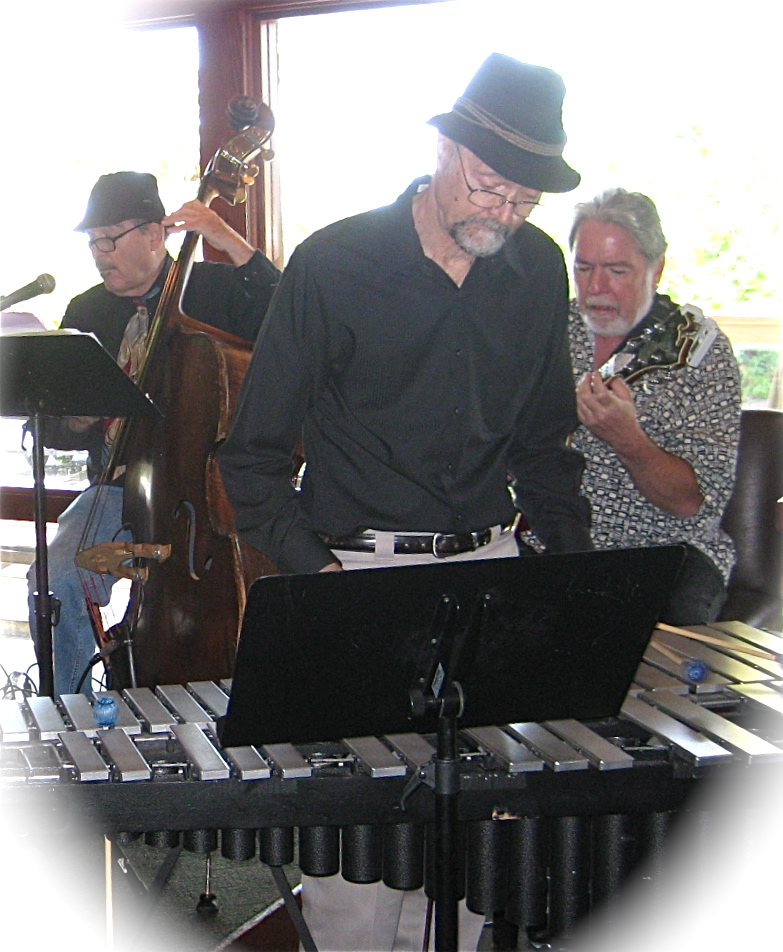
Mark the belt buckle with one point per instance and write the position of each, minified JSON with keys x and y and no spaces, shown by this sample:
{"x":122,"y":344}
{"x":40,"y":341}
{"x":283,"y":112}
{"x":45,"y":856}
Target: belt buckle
{"x":437,"y":539}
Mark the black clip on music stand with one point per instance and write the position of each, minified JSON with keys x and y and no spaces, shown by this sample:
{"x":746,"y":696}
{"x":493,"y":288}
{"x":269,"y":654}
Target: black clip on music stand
{"x":439,"y":647}
{"x":437,"y":690}
{"x":59,"y":373}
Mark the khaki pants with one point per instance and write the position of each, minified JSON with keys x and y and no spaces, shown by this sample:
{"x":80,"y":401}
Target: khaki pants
{"x":347,"y":917}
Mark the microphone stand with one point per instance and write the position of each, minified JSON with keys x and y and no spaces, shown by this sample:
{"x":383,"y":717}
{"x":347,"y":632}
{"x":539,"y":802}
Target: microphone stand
{"x":47,"y":607}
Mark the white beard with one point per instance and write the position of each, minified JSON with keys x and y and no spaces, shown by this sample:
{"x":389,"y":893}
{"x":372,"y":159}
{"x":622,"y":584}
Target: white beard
{"x":479,"y":237}
{"x":614,"y":324}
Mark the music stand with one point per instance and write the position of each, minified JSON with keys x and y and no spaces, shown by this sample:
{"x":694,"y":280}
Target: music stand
{"x":59,"y":373}
{"x":434,"y":647}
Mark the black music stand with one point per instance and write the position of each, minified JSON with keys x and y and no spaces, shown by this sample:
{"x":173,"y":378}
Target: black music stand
{"x":437,"y":647}
{"x":59,"y":373}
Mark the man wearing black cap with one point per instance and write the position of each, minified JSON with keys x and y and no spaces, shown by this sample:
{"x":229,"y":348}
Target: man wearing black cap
{"x":422,"y":350}
{"x":126,"y":225}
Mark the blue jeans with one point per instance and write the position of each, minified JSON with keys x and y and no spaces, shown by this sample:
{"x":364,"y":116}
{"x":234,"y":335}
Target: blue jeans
{"x":73,"y":636}
{"x":699,"y":592}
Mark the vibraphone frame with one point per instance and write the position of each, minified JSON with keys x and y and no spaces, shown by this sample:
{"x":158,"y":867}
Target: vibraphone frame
{"x":512,"y":804}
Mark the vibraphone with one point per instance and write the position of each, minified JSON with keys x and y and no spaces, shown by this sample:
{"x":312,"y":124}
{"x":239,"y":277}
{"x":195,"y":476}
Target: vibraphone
{"x":556,"y":816}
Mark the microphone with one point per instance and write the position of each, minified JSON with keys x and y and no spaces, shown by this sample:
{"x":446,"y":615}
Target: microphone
{"x":43,"y":284}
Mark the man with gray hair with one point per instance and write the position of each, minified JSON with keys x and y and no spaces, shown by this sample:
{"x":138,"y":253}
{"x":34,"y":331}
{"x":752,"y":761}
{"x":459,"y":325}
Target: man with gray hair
{"x":421,"y":349}
{"x":658,"y":397}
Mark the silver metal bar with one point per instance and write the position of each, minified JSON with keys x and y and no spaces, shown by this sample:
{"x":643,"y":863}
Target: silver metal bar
{"x":156,"y":718}
{"x":511,"y":755}
{"x":126,"y":759}
{"x":211,"y":696}
{"x":690,"y":745}
{"x":650,"y":678}
{"x":287,"y":761}
{"x":556,"y":752}
{"x":47,"y":720}
{"x":87,"y":762}
{"x":79,"y":712}
{"x":248,"y":763}
{"x":126,"y":719}
{"x":734,"y":646}
{"x":204,"y":758}
{"x":601,"y":752}
{"x":763,"y":694}
{"x":13,"y":724}
{"x":414,"y":749}
{"x":712,"y":681}
{"x":376,"y":759}
{"x":183,"y":704}
{"x":755,"y":749}
{"x":754,"y":636}
{"x":41,"y":761}
{"x":717,"y":661}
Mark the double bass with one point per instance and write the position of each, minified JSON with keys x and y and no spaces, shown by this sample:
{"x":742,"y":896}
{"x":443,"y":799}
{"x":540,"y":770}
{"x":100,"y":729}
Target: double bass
{"x":189,"y":570}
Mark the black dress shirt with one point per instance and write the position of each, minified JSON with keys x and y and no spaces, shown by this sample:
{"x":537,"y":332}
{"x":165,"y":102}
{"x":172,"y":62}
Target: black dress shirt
{"x":416,"y":398}
{"x":234,"y":299}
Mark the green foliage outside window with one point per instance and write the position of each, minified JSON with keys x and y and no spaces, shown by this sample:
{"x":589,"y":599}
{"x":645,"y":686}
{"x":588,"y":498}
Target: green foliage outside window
{"x":757,"y":372}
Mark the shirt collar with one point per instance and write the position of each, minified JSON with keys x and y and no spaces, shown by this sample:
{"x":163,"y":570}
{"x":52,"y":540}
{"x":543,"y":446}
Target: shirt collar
{"x":407,"y":252}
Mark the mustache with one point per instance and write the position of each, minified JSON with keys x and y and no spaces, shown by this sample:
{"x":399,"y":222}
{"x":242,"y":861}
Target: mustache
{"x":490,"y":223}
{"x":598,"y":300}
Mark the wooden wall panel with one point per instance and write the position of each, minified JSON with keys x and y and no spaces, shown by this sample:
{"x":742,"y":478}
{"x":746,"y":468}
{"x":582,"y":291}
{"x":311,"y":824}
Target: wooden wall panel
{"x":229,"y":47}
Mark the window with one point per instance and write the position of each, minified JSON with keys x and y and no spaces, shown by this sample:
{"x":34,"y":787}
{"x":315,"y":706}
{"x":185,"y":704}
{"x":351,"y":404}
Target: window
{"x":670,"y":106}
{"x":135,"y":108}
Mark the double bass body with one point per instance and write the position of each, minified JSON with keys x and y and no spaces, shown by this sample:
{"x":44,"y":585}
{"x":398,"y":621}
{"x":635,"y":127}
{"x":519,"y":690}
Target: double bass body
{"x":184,"y":620}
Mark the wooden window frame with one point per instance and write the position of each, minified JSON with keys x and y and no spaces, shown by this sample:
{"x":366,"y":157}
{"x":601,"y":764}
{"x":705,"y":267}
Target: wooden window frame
{"x":238,"y":55}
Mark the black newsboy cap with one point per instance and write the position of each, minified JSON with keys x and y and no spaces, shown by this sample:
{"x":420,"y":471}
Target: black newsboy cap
{"x":121,"y":196}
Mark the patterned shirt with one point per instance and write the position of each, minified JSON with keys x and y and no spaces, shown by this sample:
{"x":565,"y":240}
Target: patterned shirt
{"x":691,"y":412}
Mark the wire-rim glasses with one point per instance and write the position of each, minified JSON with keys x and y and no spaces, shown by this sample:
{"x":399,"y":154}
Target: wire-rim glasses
{"x":484,"y":198}
{"x":107,"y":245}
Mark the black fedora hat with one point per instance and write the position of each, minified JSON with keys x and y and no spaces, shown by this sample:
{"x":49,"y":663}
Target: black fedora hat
{"x":510,"y":116}
{"x":122,"y":196}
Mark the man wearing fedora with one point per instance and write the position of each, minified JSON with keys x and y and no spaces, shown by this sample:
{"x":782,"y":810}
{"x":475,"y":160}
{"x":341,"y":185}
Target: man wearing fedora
{"x":126,"y":226}
{"x":422,"y":351}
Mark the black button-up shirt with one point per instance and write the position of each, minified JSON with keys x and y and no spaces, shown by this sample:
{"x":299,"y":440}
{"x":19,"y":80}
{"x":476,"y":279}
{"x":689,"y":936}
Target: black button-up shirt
{"x":231,"y":298}
{"x":416,"y":398}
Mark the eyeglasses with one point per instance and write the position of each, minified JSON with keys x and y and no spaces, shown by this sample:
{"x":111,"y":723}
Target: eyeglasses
{"x":107,"y":245}
{"x":483,"y":198}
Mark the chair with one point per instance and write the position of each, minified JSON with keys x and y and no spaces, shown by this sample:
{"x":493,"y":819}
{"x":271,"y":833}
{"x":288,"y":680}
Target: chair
{"x":754,"y":520}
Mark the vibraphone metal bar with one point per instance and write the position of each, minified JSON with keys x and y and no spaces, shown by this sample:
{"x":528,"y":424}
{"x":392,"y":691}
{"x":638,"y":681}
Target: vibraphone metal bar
{"x":549,"y":809}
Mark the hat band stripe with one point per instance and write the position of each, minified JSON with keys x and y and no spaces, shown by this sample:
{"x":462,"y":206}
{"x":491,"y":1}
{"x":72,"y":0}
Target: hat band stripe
{"x":476,"y":114}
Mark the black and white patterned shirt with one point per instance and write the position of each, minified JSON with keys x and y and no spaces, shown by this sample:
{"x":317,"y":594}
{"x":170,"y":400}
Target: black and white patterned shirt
{"x":691,"y":412}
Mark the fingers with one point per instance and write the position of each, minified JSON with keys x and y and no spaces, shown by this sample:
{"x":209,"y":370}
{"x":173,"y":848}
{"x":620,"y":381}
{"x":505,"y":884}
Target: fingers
{"x":592,"y":386}
{"x":620,"y":388}
{"x":192,"y":216}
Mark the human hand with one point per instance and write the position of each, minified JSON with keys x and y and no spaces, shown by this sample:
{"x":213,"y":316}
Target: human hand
{"x":607,"y":409}
{"x":198,"y":217}
{"x":80,"y":424}
{"x":331,"y":567}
